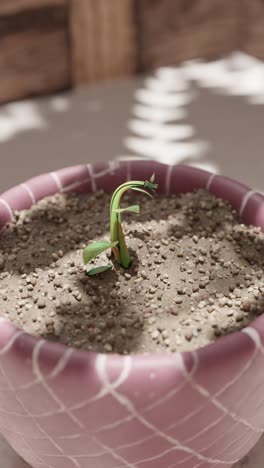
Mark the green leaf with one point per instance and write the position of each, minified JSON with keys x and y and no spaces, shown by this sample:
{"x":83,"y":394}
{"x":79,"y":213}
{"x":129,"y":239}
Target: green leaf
{"x":97,"y":270}
{"x":150,"y":185}
{"x":95,"y":249}
{"x":132,"y":208}
{"x":152,"y":178}
{"x":137,"y":189}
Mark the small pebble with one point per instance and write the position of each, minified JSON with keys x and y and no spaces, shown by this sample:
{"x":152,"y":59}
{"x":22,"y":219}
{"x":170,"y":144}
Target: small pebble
{"x":188,"y":335}
{"x":155,"y":335}
{"x":240,"y":316}
{"x":41,"y":303}
{"x":246,"y":304}
{"x":174,"y":310}
{"x":108,"y":347}
{"x":178,"y":300}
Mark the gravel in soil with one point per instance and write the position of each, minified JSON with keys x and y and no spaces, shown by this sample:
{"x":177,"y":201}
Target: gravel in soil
{"x":197,"y":273}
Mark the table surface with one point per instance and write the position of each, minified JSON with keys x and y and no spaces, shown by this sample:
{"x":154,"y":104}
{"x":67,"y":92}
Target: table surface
{"x":206,"y":115}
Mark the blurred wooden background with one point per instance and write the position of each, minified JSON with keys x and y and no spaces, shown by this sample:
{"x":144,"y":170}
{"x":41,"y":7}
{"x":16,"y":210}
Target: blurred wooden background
{"x":50,"y":45}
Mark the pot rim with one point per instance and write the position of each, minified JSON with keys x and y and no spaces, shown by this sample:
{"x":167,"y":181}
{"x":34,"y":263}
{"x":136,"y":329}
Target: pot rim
{"x":249,"y":204}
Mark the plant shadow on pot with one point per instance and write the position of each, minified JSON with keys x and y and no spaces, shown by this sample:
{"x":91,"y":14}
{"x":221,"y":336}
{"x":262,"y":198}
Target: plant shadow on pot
{"x":109,"y":312}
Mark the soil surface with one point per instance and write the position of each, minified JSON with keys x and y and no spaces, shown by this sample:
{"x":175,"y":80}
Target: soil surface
{"x":197,"y":273}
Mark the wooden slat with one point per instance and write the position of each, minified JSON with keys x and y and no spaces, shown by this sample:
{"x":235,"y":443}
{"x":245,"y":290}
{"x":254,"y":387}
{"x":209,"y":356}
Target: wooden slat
{"x":8,"y":7}
{"x":175,"y":30}
{"x":34,"y":56}
{"x":252,"y":40}
{"x":103,"y":39}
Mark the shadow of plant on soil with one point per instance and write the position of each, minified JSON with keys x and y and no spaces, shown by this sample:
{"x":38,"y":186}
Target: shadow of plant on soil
{"x":88,"y":327}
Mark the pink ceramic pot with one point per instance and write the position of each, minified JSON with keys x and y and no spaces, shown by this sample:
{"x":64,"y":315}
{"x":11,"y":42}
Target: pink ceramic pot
{"x":63,"y":408}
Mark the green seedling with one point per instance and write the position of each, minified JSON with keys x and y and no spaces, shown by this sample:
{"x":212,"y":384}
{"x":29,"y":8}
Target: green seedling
{"x":117,"y":239}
